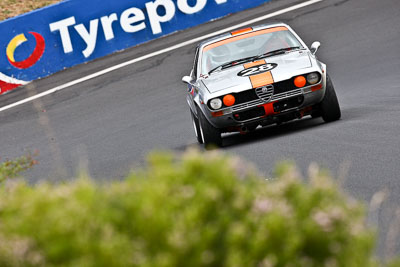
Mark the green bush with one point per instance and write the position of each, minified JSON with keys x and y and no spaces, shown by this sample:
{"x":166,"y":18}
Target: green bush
{"x":12,"y":168}
{"x":195,"y":210}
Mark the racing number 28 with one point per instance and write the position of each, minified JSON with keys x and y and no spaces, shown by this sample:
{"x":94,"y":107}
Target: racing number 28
{"x":257,"y":69}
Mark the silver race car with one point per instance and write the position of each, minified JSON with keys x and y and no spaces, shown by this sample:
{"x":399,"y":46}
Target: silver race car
{"x":256,"y":76}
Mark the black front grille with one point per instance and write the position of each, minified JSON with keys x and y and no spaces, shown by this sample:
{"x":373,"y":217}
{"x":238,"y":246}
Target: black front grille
{"x":284,"y":86}
{"x":245,"y":96}
{"x":249,"y":114}
{"x":250,"y":95}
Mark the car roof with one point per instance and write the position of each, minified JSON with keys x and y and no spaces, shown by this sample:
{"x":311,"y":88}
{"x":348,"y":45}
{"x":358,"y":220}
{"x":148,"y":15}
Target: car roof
{"x":253,"y":29}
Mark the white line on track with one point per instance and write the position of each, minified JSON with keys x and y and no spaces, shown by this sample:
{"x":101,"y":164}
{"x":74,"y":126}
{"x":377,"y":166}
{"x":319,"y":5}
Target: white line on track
{"x":162,"y":51}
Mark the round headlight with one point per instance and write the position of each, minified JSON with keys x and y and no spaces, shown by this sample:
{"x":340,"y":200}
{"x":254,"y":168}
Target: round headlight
{"x":312,"y":78}
{"x":216,"y":103}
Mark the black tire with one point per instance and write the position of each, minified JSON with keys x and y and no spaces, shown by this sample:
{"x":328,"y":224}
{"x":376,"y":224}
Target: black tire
{"x":330,"y":109}
{"x":209,"y":134}
{"x":196,"y":127}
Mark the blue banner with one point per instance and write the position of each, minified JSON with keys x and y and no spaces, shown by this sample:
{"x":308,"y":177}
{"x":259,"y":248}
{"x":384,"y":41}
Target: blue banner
{"x":51,"y":39}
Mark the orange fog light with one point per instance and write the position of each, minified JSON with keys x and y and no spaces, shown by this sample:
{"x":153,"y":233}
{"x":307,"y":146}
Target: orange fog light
{"x":217,"y":114}
{"x":229,"y":100}
{"x":300,"y":81}
{"x":317,"y":87}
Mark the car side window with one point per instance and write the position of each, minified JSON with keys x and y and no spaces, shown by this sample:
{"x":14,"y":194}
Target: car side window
{"x":196,"y":59}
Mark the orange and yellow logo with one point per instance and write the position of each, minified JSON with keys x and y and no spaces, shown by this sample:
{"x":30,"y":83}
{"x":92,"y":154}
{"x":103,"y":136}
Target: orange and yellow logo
{"x":33,"y":58}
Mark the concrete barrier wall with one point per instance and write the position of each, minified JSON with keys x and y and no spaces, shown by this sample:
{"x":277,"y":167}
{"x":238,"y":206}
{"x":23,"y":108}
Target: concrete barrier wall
{"x":45,"y":41}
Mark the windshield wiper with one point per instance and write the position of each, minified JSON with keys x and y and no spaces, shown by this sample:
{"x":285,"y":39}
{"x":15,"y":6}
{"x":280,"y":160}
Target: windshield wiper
{"x":279,"y":51}
{"x":253,"y":58}
{"x":233,"y":63}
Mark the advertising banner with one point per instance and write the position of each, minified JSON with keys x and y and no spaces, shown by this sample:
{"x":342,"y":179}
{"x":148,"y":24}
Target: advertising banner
{"x":45,"y":41}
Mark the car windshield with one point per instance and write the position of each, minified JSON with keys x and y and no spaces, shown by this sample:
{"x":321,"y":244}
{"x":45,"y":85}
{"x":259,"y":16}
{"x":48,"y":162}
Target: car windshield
{"x":246,"y":46}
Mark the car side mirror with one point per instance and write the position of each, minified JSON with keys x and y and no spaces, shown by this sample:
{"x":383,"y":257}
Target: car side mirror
{"x":314,"y":47}
{"x":186,"y":79}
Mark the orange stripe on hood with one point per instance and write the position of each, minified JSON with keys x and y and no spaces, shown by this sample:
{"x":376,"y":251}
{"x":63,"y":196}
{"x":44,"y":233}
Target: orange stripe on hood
{"x":255,"y":63}
{"x":261,"y":79}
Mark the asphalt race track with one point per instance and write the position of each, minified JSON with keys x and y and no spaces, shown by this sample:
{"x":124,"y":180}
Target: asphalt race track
{"x":108,"y":124}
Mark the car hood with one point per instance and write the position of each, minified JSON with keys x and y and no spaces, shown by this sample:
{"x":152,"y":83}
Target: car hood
{"x":287,"y":66}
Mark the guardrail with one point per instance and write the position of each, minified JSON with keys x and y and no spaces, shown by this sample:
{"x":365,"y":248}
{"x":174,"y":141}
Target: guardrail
{"x":48,"y":40}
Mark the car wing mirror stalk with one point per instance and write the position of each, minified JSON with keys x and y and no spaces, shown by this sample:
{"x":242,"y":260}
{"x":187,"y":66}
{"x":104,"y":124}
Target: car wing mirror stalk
{"x":314,"y":47}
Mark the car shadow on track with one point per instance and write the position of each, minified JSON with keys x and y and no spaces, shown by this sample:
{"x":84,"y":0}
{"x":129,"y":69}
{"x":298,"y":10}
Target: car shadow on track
{"x":271,"y":132}
{"x":265,"y":133}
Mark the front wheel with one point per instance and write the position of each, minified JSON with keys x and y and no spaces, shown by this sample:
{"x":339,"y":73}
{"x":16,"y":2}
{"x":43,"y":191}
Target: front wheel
{"x":330,"y":109}
{"x":209,"y":134}
{"x":196,"y":126}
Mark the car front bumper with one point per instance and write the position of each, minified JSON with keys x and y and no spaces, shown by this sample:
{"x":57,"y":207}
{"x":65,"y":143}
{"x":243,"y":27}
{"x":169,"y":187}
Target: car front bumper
{"x":296,"y":102}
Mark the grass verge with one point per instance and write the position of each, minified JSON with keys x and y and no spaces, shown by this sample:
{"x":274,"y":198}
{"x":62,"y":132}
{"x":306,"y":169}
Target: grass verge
{"x":12,"y":8}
